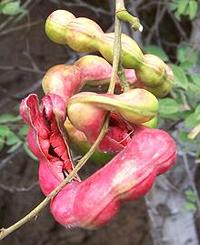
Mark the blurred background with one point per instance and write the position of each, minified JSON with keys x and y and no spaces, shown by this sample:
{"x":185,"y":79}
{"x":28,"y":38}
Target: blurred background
{"x":170,"y":213}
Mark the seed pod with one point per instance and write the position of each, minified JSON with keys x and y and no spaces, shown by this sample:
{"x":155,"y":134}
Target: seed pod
{"x":56,"y":25}
{"x":82,"y":34}
{"x":94,"y":70}
{"x":128,"y":176}
{"x":162,"y":90}
{"x":136,"y":106}
{"x":152,"y":123}
{"x":131,"y":54}
{"x":62,"y":80}
{"x":152,"y":71}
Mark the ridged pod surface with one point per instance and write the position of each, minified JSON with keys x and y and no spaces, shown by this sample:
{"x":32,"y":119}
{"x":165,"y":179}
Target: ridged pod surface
{"x":139,"y":153}
{"x":136,"y":106}
{"x":84,"y":35}
{"x":94,"y":201}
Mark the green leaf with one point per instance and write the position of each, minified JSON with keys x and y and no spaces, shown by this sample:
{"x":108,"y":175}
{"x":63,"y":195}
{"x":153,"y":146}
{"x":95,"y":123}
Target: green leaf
{"x":23,"y":131}
{"x":189,"y":206}
{"x":4,"y":131}
{"x":12,"y":139}
{"x":183,"y":136}
{"x":191,"y":196}
{"x":14,"y":147}
{"x":29,"y":152}
{"x":187,"y":55}
{"x":193,"y":119}
{"x":152,"y":49}
{"x":182,"y":6}
{"x":168,"y":106}
{"x":2,"y":143}
{"x":193,"y":8}
{"x":6,"y":118}
{"x":12,"y":8}
{"x":196,"y":79}
{"x":181,"y":79}
{"x":173,"y":5}
{"x":181,"y":53}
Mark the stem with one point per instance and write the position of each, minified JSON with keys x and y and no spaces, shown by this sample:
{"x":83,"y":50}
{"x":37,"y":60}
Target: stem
{"x":194,"y":132}
{"x":123,"y":81}
{"x":116,"y":56}
{"x":44,"y":203}
{"x":124,"y":15}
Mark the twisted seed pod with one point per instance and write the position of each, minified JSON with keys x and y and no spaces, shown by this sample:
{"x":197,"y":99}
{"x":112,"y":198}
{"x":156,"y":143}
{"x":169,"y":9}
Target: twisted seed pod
{"x":65,"y":80}
{"x":131,"y":54}
{"x":144,"y":153}
{"x":144,"y":72}
{"x":136,"y":106}
{"x":84,"y":35}
{"x":128,"y":176}
{"x":93,"y":202}
{"x":86,"y":110}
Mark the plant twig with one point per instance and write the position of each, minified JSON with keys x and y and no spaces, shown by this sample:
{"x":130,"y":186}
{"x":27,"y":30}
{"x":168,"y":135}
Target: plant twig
{"x":116,"y":57}
{"x":124,"y":15}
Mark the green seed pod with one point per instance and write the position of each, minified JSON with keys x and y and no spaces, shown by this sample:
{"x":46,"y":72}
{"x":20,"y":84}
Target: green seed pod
{"x":152,"y":123}
{"x":143,"y":102}
{"x":131,"y":54}
{"x":162,"y":90}
{"x":136,"y":106}
{"x":56,"y":24}
{"x":152,"y":71}
{"x":82,"y":34}
{"x":166,"y":86}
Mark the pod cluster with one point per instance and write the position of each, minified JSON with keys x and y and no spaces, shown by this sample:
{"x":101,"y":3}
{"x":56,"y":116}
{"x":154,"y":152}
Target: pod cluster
{"x":84,"y":35}
{"x":67,"y":116}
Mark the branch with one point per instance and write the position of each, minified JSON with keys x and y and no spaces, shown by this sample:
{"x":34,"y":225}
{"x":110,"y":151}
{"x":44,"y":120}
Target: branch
{"x":116,"y":57}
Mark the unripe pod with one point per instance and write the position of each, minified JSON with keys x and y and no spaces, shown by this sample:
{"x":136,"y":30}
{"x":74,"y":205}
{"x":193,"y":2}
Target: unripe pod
{"x":131,"y":54}
{"x":143,"y":102}
{"x":152,"y":123}
{"x":56,"y":25}
{"x":162,"y":90}
{"x":82,"y":34}
{"x":152,"y":71}
{"x":136,"y":106}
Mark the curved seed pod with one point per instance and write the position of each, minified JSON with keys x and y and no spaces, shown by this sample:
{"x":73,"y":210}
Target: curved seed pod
{"x":152,"y":71}
{"x":62,"y":80}
{"x":136,"y":106}
{"x":152,"y":123}
{"x":94,"y":70}
{"x":128,"y":176}
{"x":56,"y":24}
{"x":65,"y":80}
{"x":131,"y":54}
{"x":162,"y":90}
{"x":82,"y":35}
{"x":46,"y":138}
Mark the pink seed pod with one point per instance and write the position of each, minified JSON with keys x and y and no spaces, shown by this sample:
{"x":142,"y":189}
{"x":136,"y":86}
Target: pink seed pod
{"x":129,"y":175}
{"x":46,"y":138}
{"x":94,"y":201}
